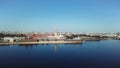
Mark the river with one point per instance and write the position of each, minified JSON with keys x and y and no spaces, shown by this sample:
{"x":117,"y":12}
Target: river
{"x":90,"y":54}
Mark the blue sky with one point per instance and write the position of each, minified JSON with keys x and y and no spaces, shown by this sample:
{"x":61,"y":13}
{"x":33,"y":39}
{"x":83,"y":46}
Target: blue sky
{"x":65,"y":15}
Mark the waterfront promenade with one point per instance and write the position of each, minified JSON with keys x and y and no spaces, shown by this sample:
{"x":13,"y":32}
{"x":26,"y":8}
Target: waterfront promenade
{"x":45,"y":42}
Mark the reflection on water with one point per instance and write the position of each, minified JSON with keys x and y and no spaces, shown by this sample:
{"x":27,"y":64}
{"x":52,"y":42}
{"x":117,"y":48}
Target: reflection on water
{"x":27,"y":45}
{"x":55,"y":48}
{"x":55,"y":45}
{"x":3,"y":45}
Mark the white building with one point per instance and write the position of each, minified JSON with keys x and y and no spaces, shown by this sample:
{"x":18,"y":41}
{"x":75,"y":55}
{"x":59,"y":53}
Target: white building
{"x":57,"y":36}
{"x":8,"y":39}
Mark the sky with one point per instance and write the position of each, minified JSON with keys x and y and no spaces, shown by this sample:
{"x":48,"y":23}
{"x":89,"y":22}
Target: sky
{"x":60,"y":15}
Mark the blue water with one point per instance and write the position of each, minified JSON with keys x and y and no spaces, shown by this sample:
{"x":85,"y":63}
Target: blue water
{"x":93,"y":54}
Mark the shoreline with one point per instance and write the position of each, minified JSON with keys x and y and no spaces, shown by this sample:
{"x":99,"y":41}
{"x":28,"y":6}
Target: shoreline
{"x":44,"y":42}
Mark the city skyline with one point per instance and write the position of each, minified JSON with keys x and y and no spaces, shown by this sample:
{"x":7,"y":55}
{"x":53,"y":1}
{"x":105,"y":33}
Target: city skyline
{"x":66,"y":16}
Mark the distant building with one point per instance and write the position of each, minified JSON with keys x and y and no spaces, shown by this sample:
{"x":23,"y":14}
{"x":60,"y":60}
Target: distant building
{"x":57,"y":35}
{"x":8,"y":39}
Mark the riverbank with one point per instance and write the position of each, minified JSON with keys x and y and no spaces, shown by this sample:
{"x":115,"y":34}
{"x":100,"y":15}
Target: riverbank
{"x":45,"y":42}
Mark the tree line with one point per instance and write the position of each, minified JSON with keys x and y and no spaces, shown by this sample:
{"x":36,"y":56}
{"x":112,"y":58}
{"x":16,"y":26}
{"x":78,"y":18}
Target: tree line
{"x":11,"y":35}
